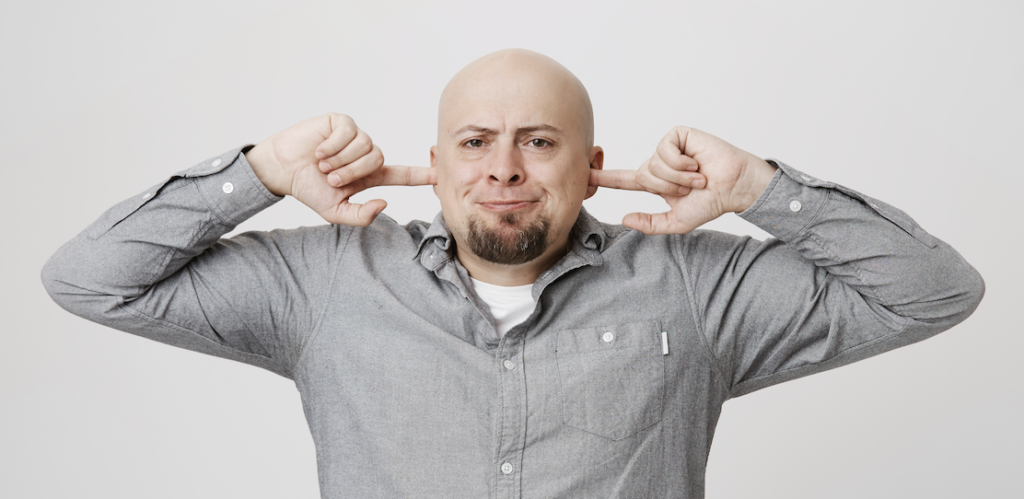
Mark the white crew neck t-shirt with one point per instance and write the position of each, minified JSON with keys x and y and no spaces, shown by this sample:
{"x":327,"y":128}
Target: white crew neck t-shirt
{"x":509,"y":305}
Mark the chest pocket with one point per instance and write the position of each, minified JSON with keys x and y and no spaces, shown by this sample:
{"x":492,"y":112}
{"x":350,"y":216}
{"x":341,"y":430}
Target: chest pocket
{"x":611,"y":380}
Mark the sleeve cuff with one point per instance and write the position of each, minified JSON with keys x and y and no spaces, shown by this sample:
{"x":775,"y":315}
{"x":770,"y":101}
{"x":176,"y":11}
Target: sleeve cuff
{"x":788,"y":205}
{"x":230,"y":187}
{"x":793,"y":199}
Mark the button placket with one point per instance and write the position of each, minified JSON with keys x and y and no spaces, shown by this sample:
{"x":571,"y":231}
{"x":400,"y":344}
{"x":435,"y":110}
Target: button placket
{"x":511,"y":434}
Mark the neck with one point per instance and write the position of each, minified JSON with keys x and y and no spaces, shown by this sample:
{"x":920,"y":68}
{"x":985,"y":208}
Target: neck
{"x":509,"y":275}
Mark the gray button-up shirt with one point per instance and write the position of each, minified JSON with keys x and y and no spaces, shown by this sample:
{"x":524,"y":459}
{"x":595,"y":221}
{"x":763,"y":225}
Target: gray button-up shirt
{"x":611,"y":388}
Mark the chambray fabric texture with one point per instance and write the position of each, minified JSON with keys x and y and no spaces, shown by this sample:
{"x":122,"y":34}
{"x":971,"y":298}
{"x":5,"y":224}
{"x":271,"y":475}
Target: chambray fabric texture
{"x":404,"y":380}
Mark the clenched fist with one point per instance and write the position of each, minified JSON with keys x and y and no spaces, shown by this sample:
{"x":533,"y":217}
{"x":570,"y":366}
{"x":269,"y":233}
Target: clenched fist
{"x":323,"y":161}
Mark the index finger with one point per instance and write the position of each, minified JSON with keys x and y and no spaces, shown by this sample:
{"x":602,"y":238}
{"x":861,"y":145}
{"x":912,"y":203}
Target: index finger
{"x":407,"y":175}
{"x":615,"y":179}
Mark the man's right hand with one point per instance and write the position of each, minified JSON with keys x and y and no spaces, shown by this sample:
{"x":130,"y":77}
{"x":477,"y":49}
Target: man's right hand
{"x":323,"y":161}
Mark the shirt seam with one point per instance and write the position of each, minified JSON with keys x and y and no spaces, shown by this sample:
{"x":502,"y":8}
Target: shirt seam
{"x":737,"y":389}
{"x":196,"y":335}
{"x":691,"y":298}
{"x":318,"y":322}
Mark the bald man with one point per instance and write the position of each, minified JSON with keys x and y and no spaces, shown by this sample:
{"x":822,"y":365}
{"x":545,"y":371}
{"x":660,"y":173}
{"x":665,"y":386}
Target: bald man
{"x":515,"y":346}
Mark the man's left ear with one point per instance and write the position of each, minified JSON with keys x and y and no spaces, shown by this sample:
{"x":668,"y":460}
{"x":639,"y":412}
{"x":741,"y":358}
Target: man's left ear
{"x":596,"y":163}
{"x":433,"y":162}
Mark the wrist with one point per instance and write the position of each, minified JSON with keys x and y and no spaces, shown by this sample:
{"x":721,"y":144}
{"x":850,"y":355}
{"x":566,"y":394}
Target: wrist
{"x":757,"y":176}
{"x":263,"y":164}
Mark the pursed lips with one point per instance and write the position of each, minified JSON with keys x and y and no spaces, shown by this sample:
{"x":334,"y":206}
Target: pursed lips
{"x":506,"y":204}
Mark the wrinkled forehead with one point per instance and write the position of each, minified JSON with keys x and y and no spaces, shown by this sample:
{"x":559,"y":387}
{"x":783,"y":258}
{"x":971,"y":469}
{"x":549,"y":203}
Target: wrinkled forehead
{"x":508,"y":92}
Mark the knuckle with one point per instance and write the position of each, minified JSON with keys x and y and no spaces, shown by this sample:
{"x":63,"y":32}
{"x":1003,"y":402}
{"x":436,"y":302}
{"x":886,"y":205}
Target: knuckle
{"x":644,"y":181}
{"x":361,"y":144}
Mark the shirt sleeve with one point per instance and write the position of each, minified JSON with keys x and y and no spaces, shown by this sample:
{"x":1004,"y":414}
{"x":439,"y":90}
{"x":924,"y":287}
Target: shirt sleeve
{"x":845,"y":277}
{"x":155,"y":265}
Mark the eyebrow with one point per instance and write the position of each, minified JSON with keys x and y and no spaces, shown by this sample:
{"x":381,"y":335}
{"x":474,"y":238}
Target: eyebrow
{"x":519,"y":131}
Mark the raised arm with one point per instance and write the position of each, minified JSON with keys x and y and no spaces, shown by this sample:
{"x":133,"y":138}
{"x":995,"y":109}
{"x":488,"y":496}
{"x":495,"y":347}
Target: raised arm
{"x":847,"y":276}
{"x":155,"y":264}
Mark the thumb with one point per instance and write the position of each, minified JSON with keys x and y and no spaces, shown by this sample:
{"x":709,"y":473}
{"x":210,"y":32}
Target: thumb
{"x":368,"y":212}
{"x":658,"y":223}
{"x":355,"y":214}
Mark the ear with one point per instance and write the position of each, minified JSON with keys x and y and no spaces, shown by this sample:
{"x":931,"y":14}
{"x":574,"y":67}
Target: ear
{"x":433,"y":163}
{"x":596,"y":163}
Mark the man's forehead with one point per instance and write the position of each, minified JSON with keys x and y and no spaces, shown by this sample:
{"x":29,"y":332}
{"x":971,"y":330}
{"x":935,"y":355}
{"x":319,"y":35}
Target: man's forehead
{"x":503,"y":110}
{"x":527,"y":128}
{"x":512,"y":90}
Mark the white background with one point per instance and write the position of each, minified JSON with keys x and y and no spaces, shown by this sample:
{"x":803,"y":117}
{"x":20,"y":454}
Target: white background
{"x":916,"y":103}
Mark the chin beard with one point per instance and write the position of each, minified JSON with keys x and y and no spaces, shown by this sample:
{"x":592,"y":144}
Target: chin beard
{"x":508,"y":244}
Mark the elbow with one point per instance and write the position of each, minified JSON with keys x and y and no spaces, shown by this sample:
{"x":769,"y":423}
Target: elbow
{"x":946,"y":294}
{"x":55,"y":277}
{"x":63,"y":279}
{"x":964,"y":290}
{"x":973,"y":291}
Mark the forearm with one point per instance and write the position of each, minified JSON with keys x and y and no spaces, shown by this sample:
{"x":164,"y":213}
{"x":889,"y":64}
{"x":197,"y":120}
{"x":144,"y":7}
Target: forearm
{"x":148,"y":237}
{"x":154,"y":265}
{"x":872,"y":247}
{"x":848,"y":277}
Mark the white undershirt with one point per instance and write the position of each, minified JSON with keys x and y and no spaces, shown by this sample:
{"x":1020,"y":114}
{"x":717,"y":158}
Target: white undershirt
{"x":509,"y":305}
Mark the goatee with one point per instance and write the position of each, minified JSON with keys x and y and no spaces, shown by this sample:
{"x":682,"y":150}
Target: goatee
{"x":508,"y":244}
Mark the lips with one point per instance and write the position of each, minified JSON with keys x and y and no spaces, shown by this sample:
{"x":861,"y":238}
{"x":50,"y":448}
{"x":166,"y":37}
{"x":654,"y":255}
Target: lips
{"x":506,"y":205}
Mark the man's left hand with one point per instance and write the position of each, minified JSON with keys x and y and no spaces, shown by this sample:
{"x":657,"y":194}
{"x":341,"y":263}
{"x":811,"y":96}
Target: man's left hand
{"x":699,"y":175}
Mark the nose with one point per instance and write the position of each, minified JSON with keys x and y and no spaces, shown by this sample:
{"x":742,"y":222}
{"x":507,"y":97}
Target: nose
{"x":506,"y":166}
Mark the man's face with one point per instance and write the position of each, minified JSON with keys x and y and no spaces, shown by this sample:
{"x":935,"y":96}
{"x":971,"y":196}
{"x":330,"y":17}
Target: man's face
{"x":513,"y":162}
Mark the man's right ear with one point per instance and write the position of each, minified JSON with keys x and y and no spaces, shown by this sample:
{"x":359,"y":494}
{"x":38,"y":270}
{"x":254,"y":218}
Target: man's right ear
{"x":596,"y":163}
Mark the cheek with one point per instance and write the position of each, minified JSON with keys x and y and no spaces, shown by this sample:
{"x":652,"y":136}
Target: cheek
{"x":457,"y":174}
{"x":576,"y":183}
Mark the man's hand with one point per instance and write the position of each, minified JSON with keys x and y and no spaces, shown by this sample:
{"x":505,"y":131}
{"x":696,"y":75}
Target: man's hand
{"x":323,"y":161}
{"x":699,"y":175}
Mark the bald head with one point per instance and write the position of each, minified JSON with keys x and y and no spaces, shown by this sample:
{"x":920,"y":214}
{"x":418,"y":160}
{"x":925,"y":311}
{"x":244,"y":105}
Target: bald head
{"x":511,"y":82}
{"x":513,"y":157}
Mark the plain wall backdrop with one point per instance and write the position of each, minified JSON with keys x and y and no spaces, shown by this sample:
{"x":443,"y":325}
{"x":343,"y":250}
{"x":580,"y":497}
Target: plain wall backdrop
{"x":918,"y":103}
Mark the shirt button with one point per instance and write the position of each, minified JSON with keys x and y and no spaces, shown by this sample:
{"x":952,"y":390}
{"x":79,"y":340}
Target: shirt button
{"x":509,"y":364}
{"x":795,"y":206}
{"x":216,"y":162}
{"x":607,"y":337}
{"x":228,"y":187}
{"x":507,"y":468}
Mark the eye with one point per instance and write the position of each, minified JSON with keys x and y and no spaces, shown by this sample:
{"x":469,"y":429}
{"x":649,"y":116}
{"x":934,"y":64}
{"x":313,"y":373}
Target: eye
{"x":474,"y":143}
{"x":539,"y":143}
